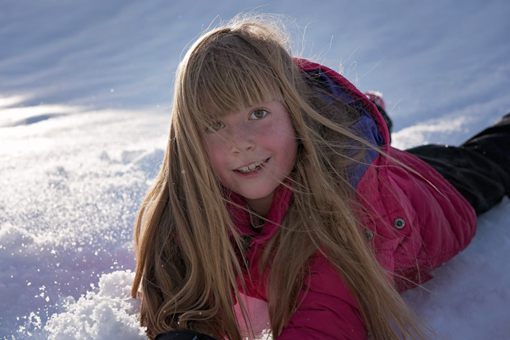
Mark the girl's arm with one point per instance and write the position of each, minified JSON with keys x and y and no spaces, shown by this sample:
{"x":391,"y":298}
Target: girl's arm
{"x":328,"y":309}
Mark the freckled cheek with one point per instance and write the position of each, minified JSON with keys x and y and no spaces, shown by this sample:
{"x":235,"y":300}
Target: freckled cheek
{"x":217,"y":158}
{"x":284,"y":143}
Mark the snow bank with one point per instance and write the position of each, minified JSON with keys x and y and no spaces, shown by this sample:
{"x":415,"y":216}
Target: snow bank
{"x":71,"y":187}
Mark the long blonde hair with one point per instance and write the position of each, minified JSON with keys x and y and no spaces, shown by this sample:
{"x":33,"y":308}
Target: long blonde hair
{"x":189,"y":258}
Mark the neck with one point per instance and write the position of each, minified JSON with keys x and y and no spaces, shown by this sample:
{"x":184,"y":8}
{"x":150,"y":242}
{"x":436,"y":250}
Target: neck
{"x":261,"y":206}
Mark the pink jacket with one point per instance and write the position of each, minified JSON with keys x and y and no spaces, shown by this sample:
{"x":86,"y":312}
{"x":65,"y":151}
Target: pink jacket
{"x":415,"y":222}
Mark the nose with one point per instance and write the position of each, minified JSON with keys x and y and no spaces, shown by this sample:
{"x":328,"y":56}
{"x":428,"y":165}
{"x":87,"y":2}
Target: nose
{"x":241,"y":140}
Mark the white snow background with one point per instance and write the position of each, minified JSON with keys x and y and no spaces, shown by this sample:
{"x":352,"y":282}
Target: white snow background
{"x":84,"y":114}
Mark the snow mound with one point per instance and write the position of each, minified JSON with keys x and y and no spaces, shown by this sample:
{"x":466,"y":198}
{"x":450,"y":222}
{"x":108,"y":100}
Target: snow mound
{"x":107,"y":313}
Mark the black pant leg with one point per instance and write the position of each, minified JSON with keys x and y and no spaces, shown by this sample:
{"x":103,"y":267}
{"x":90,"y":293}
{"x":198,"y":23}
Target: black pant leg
{"x":479,"y":169}
{"x":494,"y":143}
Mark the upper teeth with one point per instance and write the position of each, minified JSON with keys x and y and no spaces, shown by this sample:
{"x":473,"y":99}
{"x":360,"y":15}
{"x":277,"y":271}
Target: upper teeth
{"x":250,"y":167}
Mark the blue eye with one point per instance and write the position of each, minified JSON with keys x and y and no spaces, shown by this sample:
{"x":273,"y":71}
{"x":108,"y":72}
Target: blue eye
{"x":214,"y":126}
{"x":258,"y":114}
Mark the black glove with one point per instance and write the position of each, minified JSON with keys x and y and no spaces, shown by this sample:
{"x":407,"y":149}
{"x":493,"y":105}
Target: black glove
{"x":183,"y":335}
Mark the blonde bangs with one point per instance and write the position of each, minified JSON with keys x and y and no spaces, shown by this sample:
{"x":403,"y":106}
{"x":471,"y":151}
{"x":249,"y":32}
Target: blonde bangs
{"x":243,"y":84}
{"x":229,"y":79}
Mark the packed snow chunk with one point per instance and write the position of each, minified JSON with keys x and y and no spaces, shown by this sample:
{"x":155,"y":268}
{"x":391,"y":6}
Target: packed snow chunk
{"x":108,"y":313}
{"x":445,"y":130}
{"x":13,"y":235}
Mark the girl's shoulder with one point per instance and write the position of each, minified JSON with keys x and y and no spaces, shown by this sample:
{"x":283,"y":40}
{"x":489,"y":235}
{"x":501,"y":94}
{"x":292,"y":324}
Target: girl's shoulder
{"x":368,"y":123}
{"x":371,"y":123}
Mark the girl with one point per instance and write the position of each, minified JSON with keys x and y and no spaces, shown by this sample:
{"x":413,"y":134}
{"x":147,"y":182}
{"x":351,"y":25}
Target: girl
{"x":281,"y":206}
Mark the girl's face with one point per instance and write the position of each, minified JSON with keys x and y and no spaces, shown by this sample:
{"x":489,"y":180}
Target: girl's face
{"x":252,"y":151}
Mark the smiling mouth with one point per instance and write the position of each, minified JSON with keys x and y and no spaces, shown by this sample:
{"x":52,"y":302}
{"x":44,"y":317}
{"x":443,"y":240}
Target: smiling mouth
{"x":252,"y":167}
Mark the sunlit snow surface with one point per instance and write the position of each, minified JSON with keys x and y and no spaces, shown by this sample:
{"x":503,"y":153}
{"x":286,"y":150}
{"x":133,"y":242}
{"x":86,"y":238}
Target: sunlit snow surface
{"x":71,"y":186}
{"x":71,"y":182}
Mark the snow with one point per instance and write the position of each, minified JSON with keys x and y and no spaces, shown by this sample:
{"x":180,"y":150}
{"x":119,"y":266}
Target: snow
{"x":107,"y":313}
{"x":71,"y":186}
{"x":469,"y":297}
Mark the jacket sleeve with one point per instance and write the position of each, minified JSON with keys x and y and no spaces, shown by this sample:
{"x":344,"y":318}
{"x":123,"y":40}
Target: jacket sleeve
{"x":328,"y":310}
